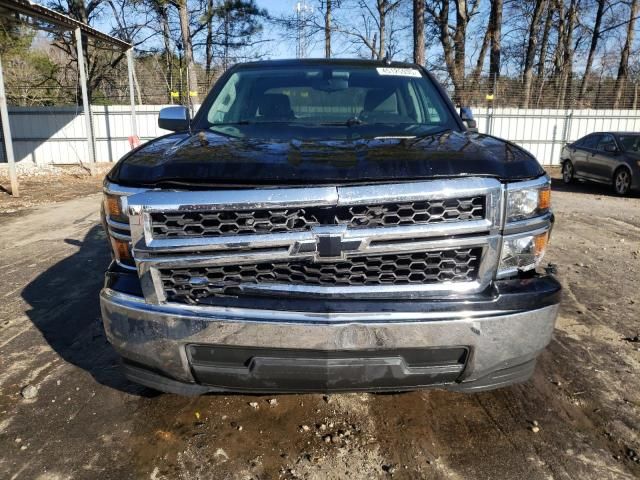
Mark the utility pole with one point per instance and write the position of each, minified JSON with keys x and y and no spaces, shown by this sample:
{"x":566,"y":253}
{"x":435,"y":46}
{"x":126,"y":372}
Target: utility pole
{"x":85,"y":101}
{"x":6,"y":131}
{"x":302,"y":10}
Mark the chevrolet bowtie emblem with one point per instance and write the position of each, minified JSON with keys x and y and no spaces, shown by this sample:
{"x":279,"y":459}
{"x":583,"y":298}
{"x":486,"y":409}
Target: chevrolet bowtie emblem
{"x":334,"y":245}
{"x":327,"y":244}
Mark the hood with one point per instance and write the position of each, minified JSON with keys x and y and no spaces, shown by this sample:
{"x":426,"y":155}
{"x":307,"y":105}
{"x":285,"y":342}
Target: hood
{"x":210,"y":159}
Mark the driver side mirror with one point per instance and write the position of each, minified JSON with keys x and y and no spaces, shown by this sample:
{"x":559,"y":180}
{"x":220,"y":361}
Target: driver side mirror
{"x":467,"y":118}
{"x":175,"y":119}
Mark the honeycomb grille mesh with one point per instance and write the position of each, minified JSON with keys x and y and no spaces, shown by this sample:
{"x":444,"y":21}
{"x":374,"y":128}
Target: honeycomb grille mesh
{"x":190,"y":285}
{"x":262,"y":221}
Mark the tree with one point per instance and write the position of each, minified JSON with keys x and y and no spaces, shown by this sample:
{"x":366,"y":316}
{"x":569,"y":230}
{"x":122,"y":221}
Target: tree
{"x":418,"y":31}
{"x":623,"y":68}
{"x":595,"y":36}
{"x":495,"y":23}
{"x":187,"y":46}
{"x":453,"y":46}
{"x":239,"y":22}
{"x":534,"y":26}
{"x":546,"y":33}
{"x":374,"y":33}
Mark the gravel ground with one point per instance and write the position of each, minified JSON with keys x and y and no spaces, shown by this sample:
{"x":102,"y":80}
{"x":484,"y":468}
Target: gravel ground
{"x":45,"y":184}
{"x":579,"y":417}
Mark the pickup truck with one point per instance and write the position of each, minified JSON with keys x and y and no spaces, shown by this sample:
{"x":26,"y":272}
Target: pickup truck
{"x":327,"y":225}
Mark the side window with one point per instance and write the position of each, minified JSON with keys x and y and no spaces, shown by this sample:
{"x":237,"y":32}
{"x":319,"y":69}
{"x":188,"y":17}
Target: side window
{"x":224,"y":101}
{"x":591,"y":141}
{"x":606,"y":141}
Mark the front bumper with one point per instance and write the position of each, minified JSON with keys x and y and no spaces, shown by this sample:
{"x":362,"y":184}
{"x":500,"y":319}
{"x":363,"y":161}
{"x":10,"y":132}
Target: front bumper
{"x":193,"y":350}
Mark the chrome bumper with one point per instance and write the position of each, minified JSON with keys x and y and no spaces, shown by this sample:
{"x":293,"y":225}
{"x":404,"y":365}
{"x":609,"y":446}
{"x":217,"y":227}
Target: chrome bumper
{"x":156,"y":335}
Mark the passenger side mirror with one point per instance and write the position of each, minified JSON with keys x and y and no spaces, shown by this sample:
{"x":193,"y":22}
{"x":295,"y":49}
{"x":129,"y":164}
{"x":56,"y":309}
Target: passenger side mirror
{"x":175,"y":119}
{"x":610,"y":148}
{"x":467,"y":118}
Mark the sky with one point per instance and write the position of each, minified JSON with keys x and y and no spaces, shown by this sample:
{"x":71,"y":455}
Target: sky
{"x":280,"y":49}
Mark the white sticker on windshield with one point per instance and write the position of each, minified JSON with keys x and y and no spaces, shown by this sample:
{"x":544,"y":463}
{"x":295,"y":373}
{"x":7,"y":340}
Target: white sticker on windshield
{"x":399,"y":72}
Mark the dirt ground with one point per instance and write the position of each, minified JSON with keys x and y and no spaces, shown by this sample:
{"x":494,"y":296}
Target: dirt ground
{"x":86,"y":421}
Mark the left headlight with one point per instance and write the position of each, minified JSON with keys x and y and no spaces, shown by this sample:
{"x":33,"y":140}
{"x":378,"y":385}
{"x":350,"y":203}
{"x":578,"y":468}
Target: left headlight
{"x":527,"y":226}
{"x":528,"y":202}
{"x":523,"y":252}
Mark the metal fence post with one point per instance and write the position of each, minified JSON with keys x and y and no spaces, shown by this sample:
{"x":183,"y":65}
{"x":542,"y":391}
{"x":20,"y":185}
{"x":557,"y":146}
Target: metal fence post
{"x":134,"y":125}
{"x":85,"y":99}
{"x":6,"y":132}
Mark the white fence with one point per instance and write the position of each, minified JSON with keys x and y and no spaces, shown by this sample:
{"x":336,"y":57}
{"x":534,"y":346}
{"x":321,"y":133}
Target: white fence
{"x":543,"y":132}
{"x":56,"y":135}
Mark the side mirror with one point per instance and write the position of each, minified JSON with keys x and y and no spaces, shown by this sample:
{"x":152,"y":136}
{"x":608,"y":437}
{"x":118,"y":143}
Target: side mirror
{"x":467,"y":118}
{"x":610,"y":148}
{"x":175,"y":119}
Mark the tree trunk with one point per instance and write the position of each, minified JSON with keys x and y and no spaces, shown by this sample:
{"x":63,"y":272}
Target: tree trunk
{"x":592,"y":49}
{"x":496,"y":34}
{"x":544,"y":44}
{"x":623,"y":69}
{"x":209,"y":41}
{"x":418,"y":32}
{"x":163,"y":18}
{"x":531,"y":53}
{"x":567,"y":60}
{"x":477,"y":71}
{"x":192,"y":76}
{"x":381,"y":5}
{"x":558,"y":54}
{"x":327,"y":29}
{"x":460,"y":40}
{"x":227,"y":39}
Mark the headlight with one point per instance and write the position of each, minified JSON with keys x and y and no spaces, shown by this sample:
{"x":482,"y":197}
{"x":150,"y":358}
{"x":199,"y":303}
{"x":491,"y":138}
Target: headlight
{"x":524,"y":203}
{"x":522,"y":252}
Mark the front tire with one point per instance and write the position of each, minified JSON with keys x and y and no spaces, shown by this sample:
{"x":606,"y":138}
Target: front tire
{"x":622,"y":181}
{"x":567,"y":172}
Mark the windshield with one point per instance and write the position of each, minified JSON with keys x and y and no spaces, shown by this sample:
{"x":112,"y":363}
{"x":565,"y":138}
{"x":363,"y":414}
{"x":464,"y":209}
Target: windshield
{"x":629,"y":143}
{"x":328,"y":101}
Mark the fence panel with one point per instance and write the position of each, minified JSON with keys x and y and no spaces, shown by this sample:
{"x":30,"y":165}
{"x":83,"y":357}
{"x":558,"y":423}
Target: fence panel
{"x":544,"y":132}
{"x":56,"y":135}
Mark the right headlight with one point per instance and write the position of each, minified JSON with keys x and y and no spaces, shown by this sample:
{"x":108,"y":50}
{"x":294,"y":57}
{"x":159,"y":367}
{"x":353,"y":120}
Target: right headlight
{"x":528,"y":202}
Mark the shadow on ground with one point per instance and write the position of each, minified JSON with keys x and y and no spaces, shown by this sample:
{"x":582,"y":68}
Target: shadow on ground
{"x":64,"y":306}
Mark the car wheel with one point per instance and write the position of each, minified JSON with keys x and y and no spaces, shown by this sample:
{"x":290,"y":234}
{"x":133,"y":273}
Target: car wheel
{"x":567,"y":172}
{"x":622,"y":181}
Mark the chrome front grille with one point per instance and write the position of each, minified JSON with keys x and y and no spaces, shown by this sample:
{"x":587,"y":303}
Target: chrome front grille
{"x":398,"y":240}
{"x":191,"y":285}
{"x":211,"y":223}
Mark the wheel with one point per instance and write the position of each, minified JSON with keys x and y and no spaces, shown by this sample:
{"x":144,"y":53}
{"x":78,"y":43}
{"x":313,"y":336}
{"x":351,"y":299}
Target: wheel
{"x":567,"y":172}
{"x":622,"y":181}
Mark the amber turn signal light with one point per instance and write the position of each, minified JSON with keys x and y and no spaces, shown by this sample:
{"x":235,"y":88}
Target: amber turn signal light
{"x":112,"y":204}
{"x":544,"y":198}
{"x":121,"y":250}
{"x":540,"y":243}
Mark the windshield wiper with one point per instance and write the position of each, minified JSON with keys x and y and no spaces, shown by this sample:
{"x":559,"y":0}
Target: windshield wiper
{"x":348,"y":123}
{"x":422,"y":136}
{"x":228,"y":124}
